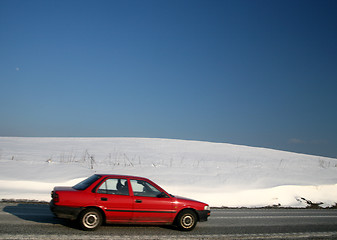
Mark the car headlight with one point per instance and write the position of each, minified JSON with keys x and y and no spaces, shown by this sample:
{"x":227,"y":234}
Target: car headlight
{"x":207,"y":208}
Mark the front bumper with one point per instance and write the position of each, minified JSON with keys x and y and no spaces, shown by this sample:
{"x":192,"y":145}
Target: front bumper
{"x":64,"y":211}
{"x":203,"y":215}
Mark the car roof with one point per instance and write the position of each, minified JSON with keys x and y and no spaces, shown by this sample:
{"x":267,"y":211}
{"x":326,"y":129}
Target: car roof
{"x":120,"y":176}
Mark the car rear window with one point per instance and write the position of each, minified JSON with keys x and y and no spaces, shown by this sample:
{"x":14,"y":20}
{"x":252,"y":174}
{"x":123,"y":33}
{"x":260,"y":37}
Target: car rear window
{"x":86,"y":183}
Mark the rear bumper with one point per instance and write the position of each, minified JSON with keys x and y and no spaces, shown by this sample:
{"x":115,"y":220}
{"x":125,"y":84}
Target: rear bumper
{"x":64,"y":211}
{"x":203,"y":215}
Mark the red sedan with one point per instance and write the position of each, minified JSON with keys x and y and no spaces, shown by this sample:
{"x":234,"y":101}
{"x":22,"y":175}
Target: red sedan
{"x":125,"y":199}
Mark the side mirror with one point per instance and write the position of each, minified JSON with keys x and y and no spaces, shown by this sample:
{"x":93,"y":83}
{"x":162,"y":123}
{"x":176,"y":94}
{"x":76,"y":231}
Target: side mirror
{"x":162,"y":195}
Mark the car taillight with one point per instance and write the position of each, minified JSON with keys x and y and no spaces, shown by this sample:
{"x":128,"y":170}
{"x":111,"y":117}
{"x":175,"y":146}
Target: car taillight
{"x":55,"y":197}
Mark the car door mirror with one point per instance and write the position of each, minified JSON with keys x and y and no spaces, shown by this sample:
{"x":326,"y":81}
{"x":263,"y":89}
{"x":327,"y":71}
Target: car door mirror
{"x":162,"y":195}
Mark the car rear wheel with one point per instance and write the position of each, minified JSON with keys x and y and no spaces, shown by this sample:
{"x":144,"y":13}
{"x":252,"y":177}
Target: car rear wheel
{"x":90,"y":219}
{"x":186,"y":220}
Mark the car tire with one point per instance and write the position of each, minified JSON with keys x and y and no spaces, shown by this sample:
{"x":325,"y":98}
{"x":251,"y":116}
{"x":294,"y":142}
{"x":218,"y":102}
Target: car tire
{"x":186,"y":220}
{"x":90,"y":219}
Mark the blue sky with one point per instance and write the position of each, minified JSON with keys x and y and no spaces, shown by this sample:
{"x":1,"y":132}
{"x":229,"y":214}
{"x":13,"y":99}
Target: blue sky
{"x":258,"y":73}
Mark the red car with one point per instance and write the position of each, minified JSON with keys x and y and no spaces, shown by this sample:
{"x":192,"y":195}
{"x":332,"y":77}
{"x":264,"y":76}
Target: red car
{"x":125,"y":199}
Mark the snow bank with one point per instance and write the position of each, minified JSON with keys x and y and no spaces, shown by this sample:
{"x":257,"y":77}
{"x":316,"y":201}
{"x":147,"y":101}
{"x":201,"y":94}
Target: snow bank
{"x":217,"y":173}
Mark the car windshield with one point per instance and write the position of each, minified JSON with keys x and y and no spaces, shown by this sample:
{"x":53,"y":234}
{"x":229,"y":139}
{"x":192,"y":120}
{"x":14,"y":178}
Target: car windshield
{"x":86,"y":183}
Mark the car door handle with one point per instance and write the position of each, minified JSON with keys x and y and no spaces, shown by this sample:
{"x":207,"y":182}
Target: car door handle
{"x":104,"y":199}
{"x":138,"y":201}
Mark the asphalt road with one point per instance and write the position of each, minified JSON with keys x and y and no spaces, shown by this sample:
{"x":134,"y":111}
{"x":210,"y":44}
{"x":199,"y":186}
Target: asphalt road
{"x":35,"y":221}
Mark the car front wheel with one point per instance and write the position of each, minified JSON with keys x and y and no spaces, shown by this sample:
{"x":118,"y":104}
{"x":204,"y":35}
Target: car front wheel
{"x":186,"y":220}
{"x":90,"y":219}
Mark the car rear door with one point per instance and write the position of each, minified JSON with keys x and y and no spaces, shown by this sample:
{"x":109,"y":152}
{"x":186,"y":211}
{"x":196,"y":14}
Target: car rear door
{"x":149,"y":204}
{"x":113,"y":196}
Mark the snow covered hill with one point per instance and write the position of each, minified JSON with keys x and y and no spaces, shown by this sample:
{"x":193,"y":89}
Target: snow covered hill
{"x":217,"y":173}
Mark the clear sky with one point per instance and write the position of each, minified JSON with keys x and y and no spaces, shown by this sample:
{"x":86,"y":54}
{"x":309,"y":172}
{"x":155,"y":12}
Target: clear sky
{"x":257,"y":73}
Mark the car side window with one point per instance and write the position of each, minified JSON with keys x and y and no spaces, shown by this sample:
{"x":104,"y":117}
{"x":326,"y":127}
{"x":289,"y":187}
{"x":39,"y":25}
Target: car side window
{"x":144,"y":189}
{"x":114,"y":186}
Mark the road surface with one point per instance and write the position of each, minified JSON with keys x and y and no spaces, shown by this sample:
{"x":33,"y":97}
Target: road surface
{"x":35,"y":221}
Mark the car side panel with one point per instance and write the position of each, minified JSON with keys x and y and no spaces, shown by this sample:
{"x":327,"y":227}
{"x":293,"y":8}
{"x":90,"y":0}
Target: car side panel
{"x":76,"y":198}
{"x":153,"y":209}
{"x":117,"y":208}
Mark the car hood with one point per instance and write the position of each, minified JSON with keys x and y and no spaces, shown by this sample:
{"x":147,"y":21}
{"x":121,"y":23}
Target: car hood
{"x":186,"y":199}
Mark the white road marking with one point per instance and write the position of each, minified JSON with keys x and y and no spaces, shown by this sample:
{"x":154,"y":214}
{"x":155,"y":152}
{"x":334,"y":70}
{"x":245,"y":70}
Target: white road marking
{"x":264,"y":217}
{"x":192,"y":236}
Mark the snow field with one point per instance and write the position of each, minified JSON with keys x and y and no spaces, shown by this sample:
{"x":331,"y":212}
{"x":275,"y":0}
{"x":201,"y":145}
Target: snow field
{"x":217,"y":173}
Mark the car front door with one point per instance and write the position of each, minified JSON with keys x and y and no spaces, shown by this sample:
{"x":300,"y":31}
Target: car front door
{"x":114,"y":198}
{"x":150,"y":205}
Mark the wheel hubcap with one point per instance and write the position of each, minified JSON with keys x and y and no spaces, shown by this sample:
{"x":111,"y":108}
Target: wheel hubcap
{"x":90,"y":220}
{"x":187,"y":221}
